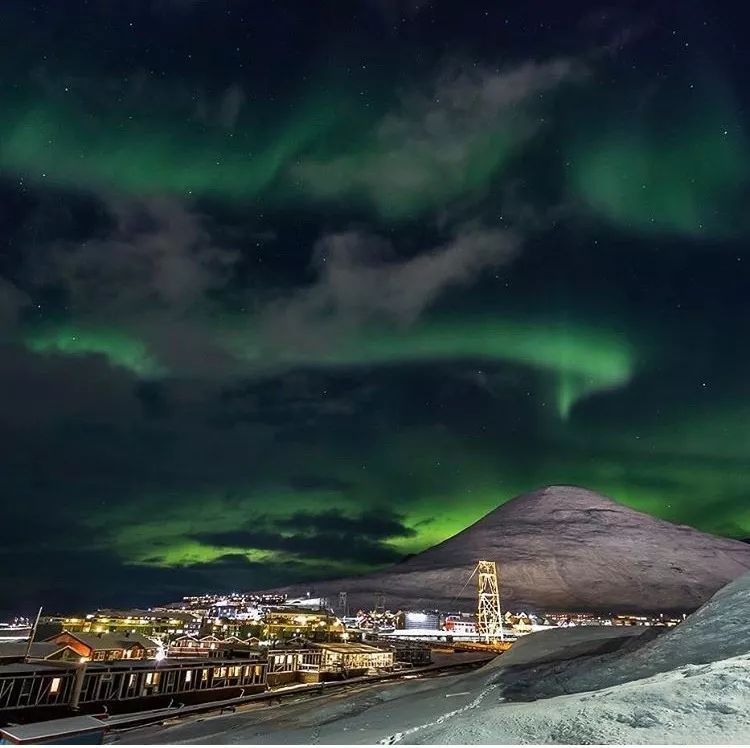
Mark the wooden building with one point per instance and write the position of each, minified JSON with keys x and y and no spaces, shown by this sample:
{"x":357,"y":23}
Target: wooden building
{"x":13,"y":652}
{"x":105,"y":647}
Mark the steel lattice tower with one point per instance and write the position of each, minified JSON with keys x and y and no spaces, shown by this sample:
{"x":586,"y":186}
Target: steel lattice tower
{"x":489,"y":616}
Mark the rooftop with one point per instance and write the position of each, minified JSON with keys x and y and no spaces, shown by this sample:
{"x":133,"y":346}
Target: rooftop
{"x":51,"y":729}
{"x":105,"y":640}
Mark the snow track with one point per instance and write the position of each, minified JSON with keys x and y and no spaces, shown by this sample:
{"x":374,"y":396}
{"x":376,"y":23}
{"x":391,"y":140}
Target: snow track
{"x":474,"y":704}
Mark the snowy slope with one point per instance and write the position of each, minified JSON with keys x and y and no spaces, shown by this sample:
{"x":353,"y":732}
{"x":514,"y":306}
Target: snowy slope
{"x":697,"y":704}
{"x":687,"y":685}
{"x":720,"y":629}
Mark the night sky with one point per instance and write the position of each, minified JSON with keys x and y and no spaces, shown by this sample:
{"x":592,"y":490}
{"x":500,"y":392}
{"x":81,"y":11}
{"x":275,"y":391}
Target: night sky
{"x":295,"y":289}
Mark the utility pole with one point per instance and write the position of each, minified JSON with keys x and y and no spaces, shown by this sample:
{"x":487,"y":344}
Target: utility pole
{"x":489,"y":616}
{"x":32,"y":635}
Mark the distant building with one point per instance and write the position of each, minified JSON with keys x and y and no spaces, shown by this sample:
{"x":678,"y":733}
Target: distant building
{"x":104,"y":647}
{"x":284,"y":623}
{"x":458,"y":624}
{"x":144,"y":622}
{"x":212,"y":646}
{"x":422,"y":620}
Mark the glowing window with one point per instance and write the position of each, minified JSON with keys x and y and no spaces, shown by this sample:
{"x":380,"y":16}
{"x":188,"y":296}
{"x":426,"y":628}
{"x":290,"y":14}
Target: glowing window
{"x":188,"y":676}
{"x":149,"y":678}
{"x":55,"y":685}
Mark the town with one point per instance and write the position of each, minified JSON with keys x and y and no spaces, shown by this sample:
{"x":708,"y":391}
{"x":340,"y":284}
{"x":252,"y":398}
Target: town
{"x":218,"y":650}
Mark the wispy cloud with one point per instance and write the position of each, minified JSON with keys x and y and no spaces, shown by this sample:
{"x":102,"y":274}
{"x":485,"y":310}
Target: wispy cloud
{"x":360,"y":280}
{"x":442,"y":142}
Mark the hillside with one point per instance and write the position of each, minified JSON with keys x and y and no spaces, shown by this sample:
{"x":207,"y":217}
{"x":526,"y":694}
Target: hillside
{"x":561,"y":548}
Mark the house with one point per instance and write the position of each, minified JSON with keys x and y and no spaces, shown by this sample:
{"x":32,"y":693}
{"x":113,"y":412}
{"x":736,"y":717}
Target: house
{"x":107,"y":646}
{"x":13,"y":652}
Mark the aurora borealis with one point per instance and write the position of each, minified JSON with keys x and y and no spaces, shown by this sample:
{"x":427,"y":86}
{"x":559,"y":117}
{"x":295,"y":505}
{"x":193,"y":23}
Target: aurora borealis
{"x":290,"y":290}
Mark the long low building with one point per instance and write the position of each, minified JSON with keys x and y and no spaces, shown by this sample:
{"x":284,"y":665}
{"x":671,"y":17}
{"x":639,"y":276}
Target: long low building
{"x":58,"y":687}
{"x":120,"y":686}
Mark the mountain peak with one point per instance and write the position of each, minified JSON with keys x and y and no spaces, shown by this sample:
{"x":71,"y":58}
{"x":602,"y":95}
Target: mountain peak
{"x":566,"y":497}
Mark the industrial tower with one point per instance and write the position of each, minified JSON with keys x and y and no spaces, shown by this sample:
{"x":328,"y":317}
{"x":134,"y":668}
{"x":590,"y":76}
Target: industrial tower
{"x":489,"y":617}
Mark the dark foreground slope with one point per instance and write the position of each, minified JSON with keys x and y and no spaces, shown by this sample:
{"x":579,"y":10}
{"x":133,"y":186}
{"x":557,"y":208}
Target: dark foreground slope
{"x":561,"y":548}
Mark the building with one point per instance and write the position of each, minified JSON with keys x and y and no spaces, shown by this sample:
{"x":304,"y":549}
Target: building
{"x":212,"y":646}
{"x":123,"y":685}
{"x":144,"y":622}
{"x":107,"y":647}
{"x":378,"y":620}
{"x":405,"y":651}
{"x":285,"y":623}
{"x":350,"y":659}
{"x":13,"y":652}
{"x":459,"y":624}
{"x":56,"y":687}
{"x":422,"y":620}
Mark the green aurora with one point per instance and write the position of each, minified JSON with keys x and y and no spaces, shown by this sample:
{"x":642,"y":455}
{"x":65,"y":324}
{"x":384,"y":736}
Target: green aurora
{"x":580,"y":360}
{"x":186,"y":441}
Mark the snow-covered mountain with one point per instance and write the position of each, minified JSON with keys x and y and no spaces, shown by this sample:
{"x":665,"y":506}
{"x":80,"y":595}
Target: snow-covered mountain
{"x":561,"y":548}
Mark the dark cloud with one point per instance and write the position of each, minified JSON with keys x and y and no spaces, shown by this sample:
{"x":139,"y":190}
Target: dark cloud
{"x":80,"y":579}
{"x":329,"y":535}
{"x":381,"y":524}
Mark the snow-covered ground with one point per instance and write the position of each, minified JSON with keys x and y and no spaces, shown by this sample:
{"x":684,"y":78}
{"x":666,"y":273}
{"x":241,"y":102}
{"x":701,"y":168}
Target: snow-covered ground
{"x":586,"y":685}
{"x":692,"y":705}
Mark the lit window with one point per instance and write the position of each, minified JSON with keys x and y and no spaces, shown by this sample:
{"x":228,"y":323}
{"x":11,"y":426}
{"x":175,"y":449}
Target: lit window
{"x":205,"y":675}
{"x":188,"y":676}
{"x":131,"y":681}
{"x":55,"y":685}
{"x":149,"y":678}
